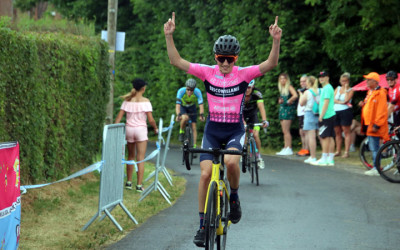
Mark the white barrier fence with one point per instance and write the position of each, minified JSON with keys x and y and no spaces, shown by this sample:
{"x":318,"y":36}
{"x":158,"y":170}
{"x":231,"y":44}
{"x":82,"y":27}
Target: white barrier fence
{"x":112,"y":171}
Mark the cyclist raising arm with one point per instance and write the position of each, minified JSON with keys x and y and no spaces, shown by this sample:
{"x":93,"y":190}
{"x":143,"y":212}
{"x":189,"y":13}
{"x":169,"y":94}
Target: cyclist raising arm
{"x":225,"y":85}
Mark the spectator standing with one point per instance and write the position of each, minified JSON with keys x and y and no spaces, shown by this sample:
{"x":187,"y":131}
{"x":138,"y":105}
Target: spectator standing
{"x":374,"y":116}
{"x":304,"y":151}
{"x":326,"y":121}
{"x":344,"y":114}
{"x":287,"y":111}
{"x":308,"y":99}
{"x":394,"y":97}
{"x":138,"y":109}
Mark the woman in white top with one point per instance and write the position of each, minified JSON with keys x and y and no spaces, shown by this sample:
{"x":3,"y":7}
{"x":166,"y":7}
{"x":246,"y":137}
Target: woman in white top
{"x":307,"y":99}
{"x":344,"y":114}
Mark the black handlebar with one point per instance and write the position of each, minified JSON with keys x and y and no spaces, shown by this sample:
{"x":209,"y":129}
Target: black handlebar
{"x":215,"y":151}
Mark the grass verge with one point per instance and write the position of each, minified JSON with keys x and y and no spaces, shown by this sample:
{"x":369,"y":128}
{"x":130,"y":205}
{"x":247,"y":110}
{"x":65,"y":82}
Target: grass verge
{"x":52,"y":216}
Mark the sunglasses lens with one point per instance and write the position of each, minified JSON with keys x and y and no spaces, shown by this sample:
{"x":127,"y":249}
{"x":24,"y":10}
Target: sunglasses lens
{"x":222,"y":59}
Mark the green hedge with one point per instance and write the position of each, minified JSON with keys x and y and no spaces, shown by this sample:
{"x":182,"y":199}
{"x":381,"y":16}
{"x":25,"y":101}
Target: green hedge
{"x":53,"y":93}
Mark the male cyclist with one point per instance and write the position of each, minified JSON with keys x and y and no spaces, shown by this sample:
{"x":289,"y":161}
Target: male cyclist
{"x":253,"y":102}
{"x":226,"y":85}
{"x":394,"y":97}
{"x":186,"y":108}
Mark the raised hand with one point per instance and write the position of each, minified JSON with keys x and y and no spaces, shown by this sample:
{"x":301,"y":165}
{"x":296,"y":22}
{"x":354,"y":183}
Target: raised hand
{"x":169,"y":26}
{"x":274,"y":30}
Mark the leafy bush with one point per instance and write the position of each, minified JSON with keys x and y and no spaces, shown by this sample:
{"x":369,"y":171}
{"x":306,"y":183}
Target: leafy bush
{"x":53,"y":93}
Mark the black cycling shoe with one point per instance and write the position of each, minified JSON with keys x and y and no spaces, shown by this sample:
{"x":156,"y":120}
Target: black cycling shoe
{"x":235,"y":212}
{"x":200,"y":238}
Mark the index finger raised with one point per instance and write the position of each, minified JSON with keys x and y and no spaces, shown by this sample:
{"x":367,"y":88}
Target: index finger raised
{"x":276,"y":20}
{"x":173,"y":17}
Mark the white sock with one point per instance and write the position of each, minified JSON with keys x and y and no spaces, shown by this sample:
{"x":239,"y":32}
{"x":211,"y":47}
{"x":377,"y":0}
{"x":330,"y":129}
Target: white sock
{"x":331,"y":156}
{"x":324,"y":157}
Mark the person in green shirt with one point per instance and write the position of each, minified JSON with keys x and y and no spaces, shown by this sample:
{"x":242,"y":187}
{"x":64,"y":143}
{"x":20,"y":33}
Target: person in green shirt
{"x":326,"y":121}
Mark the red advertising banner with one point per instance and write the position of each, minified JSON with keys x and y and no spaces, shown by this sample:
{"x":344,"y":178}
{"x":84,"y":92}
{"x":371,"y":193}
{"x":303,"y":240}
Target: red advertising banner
{"x":10,"y":199}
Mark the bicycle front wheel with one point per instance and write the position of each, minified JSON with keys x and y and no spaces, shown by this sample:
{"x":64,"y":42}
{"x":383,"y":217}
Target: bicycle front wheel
{"x":388,"y":161}
{"x":248,"y":162}
{"x":189,"y":137}
{"x":224,"y":201}
{"x":211,"y":223}
{"x":366,"y":154}
{"x":254,"y":160}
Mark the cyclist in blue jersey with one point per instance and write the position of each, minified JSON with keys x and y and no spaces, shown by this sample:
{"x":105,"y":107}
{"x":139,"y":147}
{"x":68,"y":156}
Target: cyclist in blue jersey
{"x":186,"y":110}
{"x":225,"y":84}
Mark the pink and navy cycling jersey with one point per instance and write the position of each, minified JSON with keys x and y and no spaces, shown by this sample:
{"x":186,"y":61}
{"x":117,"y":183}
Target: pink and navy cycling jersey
{"x":225,"y":92}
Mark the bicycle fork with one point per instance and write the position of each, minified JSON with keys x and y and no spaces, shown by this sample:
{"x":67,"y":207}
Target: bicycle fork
{"x":221,"y":191}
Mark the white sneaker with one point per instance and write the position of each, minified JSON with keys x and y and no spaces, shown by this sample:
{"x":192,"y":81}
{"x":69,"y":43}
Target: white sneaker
{"x":320,"y":162}
{"x":372,"y":172}
{"x":288,"y":151}
{"x":310,"y":159}
{"x":281,"y":152}
{"x":331,"y":163}
{"x":260,"y":163}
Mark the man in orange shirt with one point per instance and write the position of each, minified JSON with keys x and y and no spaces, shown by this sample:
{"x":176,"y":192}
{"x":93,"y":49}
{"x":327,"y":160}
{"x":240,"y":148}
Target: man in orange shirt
{"x":374,"y":116}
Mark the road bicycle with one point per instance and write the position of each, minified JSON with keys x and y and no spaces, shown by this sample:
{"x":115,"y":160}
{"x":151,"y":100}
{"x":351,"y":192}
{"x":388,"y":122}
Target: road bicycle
{"x":366,"y":154}
{"x":388,"y":159}
{"x":188,"y":136}
{"x":251,"y":162}
{"x":216,"y":222}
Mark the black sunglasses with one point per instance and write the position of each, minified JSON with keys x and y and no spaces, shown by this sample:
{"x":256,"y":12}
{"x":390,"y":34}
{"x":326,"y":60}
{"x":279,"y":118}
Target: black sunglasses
{"x":222,"y":58}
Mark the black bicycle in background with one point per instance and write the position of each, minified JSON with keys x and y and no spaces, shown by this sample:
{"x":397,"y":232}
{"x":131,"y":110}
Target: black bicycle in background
{"x":250,"y":160}
{"x":188,"y":138}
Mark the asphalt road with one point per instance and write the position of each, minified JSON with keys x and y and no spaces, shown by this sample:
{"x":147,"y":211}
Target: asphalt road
{"x":296,"y":206}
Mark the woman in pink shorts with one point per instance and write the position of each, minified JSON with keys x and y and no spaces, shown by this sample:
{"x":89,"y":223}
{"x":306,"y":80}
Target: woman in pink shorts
{"x":138,"y":109}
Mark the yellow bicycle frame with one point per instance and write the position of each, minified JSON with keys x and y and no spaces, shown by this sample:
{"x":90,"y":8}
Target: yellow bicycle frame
{"x":215,"y":177}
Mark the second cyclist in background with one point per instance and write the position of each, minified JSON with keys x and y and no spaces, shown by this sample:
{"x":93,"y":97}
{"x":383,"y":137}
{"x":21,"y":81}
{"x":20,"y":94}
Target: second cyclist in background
{"x":253,"y":103}
{"x":186,"y":107}
{"x":394,"y":97}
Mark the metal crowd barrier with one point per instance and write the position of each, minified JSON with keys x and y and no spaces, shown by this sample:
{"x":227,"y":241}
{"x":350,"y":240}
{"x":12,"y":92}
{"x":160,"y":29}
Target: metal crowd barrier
{"x":156,"y":185}
{"x":112,"y":174}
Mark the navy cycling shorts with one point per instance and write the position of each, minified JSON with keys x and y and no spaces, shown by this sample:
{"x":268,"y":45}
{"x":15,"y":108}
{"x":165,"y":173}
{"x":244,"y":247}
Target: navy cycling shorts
{"x":217,"y":134}
{"x":191,"y":110}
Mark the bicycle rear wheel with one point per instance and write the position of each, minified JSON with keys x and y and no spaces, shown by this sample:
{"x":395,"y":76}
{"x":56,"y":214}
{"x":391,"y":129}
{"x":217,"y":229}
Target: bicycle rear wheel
{"x":211,"y":222}
{"x":254,"y":160}
{"x":366,"y":154}
{"x":388,"y":161}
